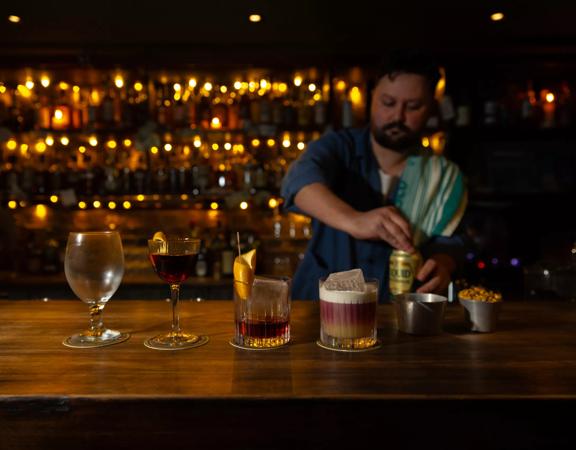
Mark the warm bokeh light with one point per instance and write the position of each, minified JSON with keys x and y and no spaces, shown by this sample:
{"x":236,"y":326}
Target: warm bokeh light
{"x":255,"y":18}
{"x":216,"y":123}
{"x":96,"y":204}
{"x":270,"y":142}
{"x":64,"y":140}
{"x":177,"y":87}
{"x":63,"y":85}
{"x":243,"y":205}
{"x":29,"y":84}
{"x":208,"y":86}
{"x":356,"y":95}
{"x":168,"y":147}
{"x":184,"y":197}
{"x":82,"y":205}
{"x":140,"y":197}
{"x":550,"y":97}
{"x":45,"y":81}
{"x":301,"y":145}
{"x":40,"y":147}
{"x":138,"y":86}
{"x":14,"y":19}
{"x":58,"y":114}
{"x":11,"y":144}
{"x":93,"y":141}
{"x":286,"y":143}
{"x":311,"y":87}
{"x":49,"y":141}
{"x":24,"y":91}
{"x":272,"y":203}
{"x":237,"y":85}
{"x":227,"y":146}
{"x":297,"y":80}
{"x":197,"y":143}
{"x":223,"y":89}
{"x":111,"y":144}
{"x":127,"y":205}
{"x":282,"y":87}
{"x":214,"y":205}
{"x":41,"y":211}
{"x":192,"y":83}
{"x":255,"y":142}
{"x":54,"y":198}
{"x":127,"y":142}
{"x":82,"y":149}
{"x":215,"y":146}
{"x":154,"y":150}
{"x":496,"y":17}
{"x":425,"y":141}
{"x":12,"y":204}
{"x":119,"y":81}
{"x":341,"y":85}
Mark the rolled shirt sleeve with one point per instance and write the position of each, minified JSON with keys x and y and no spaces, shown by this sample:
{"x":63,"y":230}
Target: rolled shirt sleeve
{"x":320,"y":163}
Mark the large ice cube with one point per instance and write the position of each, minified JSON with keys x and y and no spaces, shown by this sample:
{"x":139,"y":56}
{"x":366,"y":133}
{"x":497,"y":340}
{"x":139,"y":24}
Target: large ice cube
{"x":350,"y":280}
{"x":269,"y":298}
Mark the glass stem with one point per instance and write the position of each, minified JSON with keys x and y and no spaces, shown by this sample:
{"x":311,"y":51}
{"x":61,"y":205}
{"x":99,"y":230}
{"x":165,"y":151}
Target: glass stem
{"x":96,"y":324}
{"x":175,"y":295}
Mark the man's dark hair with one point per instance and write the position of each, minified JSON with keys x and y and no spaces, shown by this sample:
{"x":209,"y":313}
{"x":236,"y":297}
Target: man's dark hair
{"x":410,"y":61}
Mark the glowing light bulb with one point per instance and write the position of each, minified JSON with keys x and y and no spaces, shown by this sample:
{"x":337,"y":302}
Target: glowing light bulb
{"x":111,"y":205}
{"x":54,"y":198}
{"x":138,"y":86}
{"x":127,"y":205}
{"x":12,"y":204}
{"x":119,"y":81}
{"x":49,"y":141}
{"x":272,"y":203}
{"x":244,"y":205}
{"x":255,"y":18}
{"x":93,"y":141}
{"x":168,"y":147}
{"x":82,"y":205}
{"x":497,"y":16}
{"x":214,"y":206}
{"x":297,"y":80}
{"x":96,"y":204}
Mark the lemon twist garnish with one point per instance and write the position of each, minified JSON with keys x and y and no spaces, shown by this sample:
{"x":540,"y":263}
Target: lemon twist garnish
{"x":244,"y":268}
{"x":159,"y":236}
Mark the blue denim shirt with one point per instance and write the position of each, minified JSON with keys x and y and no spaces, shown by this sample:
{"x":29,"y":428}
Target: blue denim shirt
{"x":345,"y":163}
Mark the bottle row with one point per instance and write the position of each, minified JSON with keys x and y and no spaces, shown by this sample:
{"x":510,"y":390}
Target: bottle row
{"x":125,"y":102}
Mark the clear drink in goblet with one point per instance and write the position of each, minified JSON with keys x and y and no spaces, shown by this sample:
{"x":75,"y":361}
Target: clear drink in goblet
{"x":94,"y":266}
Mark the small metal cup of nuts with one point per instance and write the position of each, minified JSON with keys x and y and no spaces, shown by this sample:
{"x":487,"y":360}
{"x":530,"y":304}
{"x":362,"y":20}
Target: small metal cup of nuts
{"x":481,"y":308}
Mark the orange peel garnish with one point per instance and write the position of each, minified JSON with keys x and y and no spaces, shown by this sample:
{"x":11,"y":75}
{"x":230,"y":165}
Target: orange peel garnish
{"x":244,"y":268}
{"x":159,"y":236}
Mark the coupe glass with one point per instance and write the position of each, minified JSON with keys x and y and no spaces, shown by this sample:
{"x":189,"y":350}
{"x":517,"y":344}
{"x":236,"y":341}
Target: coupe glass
{"x":174,"y":261}
{"x":94,"y":266}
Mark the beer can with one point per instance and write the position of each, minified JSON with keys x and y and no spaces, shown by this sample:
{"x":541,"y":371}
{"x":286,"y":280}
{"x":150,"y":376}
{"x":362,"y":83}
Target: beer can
{"x":403,"y":269}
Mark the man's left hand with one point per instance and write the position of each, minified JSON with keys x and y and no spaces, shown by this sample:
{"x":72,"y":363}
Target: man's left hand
{"x":435,"y":274}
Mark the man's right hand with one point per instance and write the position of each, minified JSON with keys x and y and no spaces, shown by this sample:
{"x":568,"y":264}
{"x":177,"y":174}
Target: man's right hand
{"x":386,"y":223}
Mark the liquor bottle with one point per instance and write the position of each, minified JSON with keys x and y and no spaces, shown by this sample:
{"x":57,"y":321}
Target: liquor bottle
{"x":227,"y":255}
{"x":201,"y":269}
{"x":107,"y":109}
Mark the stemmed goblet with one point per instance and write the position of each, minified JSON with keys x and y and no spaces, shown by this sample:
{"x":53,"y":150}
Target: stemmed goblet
{"x":173,"y":261}
{"x":94,"y":266}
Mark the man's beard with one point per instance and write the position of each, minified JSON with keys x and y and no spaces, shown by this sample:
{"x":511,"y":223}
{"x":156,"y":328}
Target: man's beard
{"x":401,"y":144}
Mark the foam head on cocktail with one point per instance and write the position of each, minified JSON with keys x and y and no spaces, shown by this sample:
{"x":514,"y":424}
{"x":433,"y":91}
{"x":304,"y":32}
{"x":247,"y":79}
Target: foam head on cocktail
{"x":348,"y":310}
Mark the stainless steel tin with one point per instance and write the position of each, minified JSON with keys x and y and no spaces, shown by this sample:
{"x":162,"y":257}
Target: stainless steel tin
{"x":420,"y":313}
{"x":480,"y":316}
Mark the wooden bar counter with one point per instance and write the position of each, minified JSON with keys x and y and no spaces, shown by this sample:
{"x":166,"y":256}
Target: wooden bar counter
{"x":515,"y":388}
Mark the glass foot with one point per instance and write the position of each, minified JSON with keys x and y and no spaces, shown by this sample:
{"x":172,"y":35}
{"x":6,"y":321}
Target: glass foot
{"x":175,"y":341}
{"x":87,"y":340}
{"x":378,"y":344}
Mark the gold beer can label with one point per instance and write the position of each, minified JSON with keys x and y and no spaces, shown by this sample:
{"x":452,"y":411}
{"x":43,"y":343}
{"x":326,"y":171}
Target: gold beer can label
{"x":403,"y":269}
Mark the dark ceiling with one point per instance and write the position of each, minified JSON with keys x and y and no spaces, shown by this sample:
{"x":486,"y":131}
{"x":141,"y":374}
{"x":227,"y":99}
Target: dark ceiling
{"x":218,"y":32}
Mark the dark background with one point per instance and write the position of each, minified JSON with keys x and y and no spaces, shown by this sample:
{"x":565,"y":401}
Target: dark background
{"x":514,"y":213}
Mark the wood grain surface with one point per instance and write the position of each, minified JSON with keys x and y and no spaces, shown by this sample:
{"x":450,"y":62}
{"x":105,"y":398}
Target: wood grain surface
{"x":524,"y":371}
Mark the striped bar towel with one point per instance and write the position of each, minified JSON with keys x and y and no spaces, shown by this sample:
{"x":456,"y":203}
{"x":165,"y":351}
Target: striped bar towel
{"x":432,"y":196}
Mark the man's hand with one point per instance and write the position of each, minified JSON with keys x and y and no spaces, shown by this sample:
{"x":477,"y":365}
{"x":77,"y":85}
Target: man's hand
{"x":436,"y":273}
{"x":386,"y":223}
